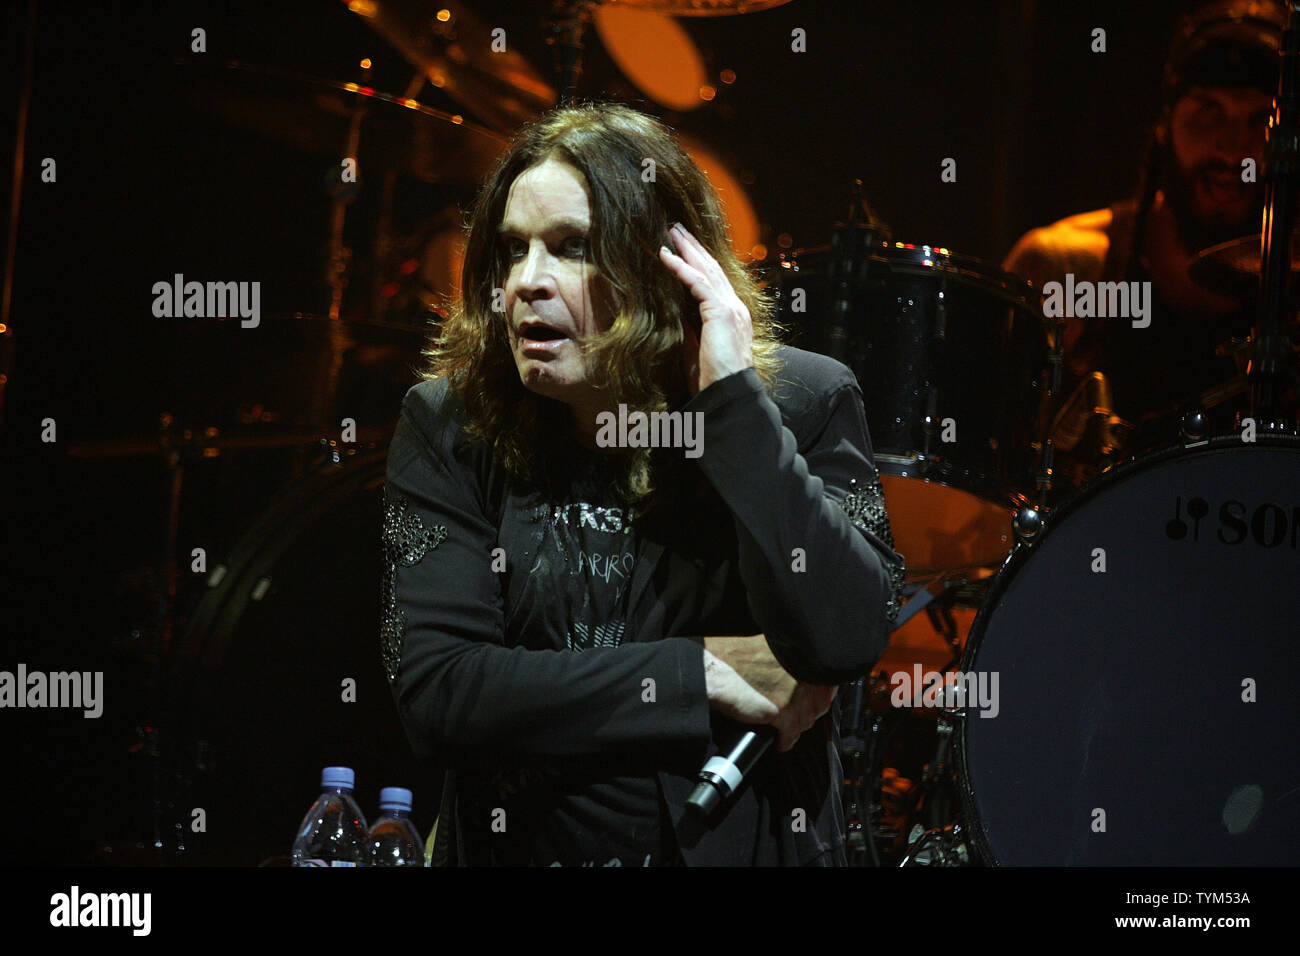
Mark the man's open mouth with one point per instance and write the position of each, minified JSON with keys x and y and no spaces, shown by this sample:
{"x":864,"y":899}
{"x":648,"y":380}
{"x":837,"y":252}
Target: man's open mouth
{"x":541,"y":333}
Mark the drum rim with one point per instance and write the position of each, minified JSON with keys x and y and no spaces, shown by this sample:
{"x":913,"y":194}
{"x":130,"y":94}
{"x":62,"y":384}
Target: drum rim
{"x":1020,"y":555}
{"x":1008,"y":285}
{"x":995,"y":490}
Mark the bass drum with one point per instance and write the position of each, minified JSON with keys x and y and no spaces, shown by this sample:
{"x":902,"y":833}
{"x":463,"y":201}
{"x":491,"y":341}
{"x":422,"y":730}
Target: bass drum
{"x":1140,"y":667}
{"x":290,"y":616}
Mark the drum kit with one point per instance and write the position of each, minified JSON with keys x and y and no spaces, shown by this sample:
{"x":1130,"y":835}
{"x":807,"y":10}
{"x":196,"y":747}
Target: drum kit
{"x":1121,"y":695}
{"x":1125,"y":640}
{"x":1118,"y":630}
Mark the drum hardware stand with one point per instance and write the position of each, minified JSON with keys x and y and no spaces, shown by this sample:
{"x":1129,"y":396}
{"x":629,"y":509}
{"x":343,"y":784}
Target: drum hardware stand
{"x":172,"y":764}
{"x":918,"y":596}
{"x":946,"y":842}
{"x":949,"y":840}
{"x":150,"y":739}
{"x":564,"y":29}
{"x":383,"y":239}
{"x":947,"y":846}
{"x":15,"y":203}
{"x":930,"y":428}
{"x":941,"y":309}
{"x":851,"y":245}
{"x":1046,"y":422}
{"x":162,"y":631}
{"x":340,"y":263}
{"x":862,"y":746}
{"x":933,"y":424}
{"x":1271,"y":370}
{"x":943,"y":589}
{"x":942,"y":620}
{"x":340,"y":257}
{"x":946,"y":590}
{"x":862,"y":809}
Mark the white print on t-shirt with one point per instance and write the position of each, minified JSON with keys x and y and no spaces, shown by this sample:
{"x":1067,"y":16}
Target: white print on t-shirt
{"x":604,"y":565}
{"x":596,"y":518}
{"x":601,"y":566}
{"x":603,"y":635}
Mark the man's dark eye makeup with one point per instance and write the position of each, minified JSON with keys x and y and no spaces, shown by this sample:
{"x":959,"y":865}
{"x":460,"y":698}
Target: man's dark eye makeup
{"x":515,"y":246}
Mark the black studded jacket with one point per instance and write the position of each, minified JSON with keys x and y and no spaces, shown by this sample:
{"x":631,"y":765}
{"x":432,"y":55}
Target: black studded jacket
{"x":790,"y":540}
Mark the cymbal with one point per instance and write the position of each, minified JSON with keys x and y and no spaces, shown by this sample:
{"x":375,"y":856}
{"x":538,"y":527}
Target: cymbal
{"x":314,"y":114}
{"x":698,"y":8}
{"x":655,"y":52}
{"x":1232,"y":268}
{"x":460,"y":56}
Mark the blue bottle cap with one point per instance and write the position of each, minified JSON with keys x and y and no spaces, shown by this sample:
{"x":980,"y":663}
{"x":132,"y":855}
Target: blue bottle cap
{"x":395,"y":798}
{"x":340,"y":778}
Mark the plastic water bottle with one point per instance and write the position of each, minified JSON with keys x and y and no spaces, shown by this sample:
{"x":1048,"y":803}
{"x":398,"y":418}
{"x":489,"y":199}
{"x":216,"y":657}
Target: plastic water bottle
{"x":394,"y":841}
{"x":333,"y":833}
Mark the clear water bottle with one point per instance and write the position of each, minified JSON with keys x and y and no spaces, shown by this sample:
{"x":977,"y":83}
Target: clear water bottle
{"x":333,"y":833}
{"x":394,"y":841}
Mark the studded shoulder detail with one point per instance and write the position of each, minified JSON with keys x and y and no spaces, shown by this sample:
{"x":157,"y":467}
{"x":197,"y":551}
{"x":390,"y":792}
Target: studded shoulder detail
{"x":406,"y":540}
{"x":865,"y":507}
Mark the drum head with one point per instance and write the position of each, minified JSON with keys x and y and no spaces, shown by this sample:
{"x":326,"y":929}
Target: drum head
{"x":1142,"y":661}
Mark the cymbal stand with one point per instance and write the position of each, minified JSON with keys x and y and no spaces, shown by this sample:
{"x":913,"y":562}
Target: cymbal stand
{"x":564,"y":29}
{"x":1272,"y":368}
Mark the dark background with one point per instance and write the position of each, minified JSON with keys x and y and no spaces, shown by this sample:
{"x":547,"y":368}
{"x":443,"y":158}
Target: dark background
{"x":152,"y":182}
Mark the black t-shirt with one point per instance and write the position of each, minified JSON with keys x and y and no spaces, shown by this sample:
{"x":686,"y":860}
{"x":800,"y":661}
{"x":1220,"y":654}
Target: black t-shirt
{"x":571,"y":813}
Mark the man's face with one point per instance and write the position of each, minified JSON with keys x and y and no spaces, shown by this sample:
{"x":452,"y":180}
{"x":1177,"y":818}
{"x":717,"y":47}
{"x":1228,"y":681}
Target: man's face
{"x":1211,"y":130}
{"x":554,"y":296}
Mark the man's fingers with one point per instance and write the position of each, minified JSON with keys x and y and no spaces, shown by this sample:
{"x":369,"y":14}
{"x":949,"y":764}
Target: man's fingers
{"x":695,"y":252}
{"x":691,"y":277}
{"x":692,"y":252}
{"x":688,"y":250}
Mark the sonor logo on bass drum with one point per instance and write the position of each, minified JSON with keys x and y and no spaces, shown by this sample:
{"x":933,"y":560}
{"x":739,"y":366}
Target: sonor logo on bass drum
{"x":1267,"y":525}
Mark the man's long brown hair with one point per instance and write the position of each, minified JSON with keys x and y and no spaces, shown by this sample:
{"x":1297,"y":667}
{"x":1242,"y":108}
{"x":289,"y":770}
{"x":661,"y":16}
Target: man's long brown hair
{"x":640,"y":182}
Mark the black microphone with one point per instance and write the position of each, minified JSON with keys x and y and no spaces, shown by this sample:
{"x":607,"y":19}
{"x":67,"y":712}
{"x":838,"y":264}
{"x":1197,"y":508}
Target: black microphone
{"x":721,"y":776}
